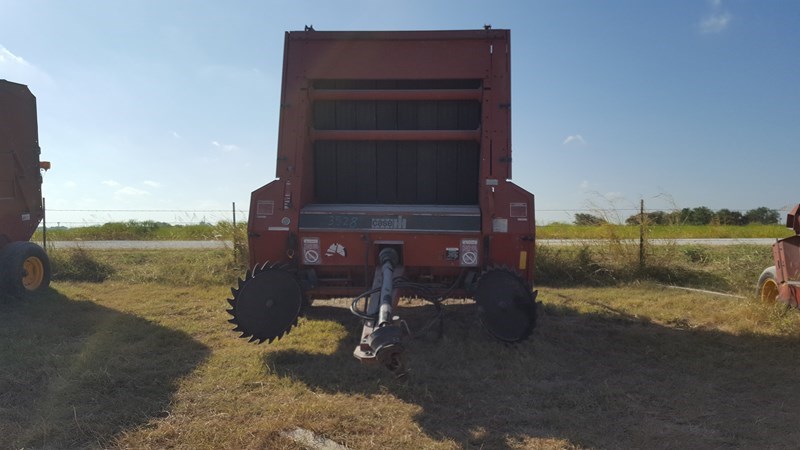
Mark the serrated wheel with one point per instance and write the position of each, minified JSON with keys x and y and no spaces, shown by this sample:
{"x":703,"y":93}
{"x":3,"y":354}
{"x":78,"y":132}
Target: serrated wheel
{"x":266,"y":304}
{"x":506,"y":306}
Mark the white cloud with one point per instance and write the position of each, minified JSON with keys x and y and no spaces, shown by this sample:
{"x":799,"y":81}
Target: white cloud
{"x":15,"y":68}
{"x":584,"y":185}
{"x":716,"y":23}
{"x":150,"y":183}
{"x":176,"y":135}
{"x":70,"y":184}
{"x":225,"y":147}
{"x":7,"y":57}
{"x":574,"y":139}
{"x":111,"y":183}
{"x":128,"y":191}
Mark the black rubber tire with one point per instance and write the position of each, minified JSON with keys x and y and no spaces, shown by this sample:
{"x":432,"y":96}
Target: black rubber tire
{"x":767,"y":279}
{"x":15,"y":279}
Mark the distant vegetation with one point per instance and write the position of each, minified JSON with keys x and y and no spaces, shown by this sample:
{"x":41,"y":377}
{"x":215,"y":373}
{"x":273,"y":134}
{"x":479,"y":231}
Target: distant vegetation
{"x":613,"y":231}
{"x":683,"y":224}
{"x":691,"y":216}
{"x":147,"y":230}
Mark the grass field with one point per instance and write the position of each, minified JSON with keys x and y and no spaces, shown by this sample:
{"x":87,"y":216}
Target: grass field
{"x":146,"y":230}
{"x":145,"y":360}
{"x":224,"y":230}
{"x":606,"y":231}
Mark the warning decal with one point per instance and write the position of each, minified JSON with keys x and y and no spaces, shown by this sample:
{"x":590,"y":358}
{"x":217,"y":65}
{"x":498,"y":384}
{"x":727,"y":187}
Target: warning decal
{"x":311,"y":250}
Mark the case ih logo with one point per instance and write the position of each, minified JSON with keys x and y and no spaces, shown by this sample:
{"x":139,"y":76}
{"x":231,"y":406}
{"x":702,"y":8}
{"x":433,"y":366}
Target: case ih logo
{"x":389,"y":223}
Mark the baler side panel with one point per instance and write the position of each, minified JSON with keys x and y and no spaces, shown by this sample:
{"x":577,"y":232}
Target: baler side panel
{"x":20,"y":178}
{"x":513,"y":237}
{"x":272,"y":225}
{"x":497,"y":111}
{"x":786,"y":253}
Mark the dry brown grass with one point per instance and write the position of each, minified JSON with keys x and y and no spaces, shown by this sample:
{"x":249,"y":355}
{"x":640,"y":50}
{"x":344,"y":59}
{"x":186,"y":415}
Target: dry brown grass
{"x":153,"y":365}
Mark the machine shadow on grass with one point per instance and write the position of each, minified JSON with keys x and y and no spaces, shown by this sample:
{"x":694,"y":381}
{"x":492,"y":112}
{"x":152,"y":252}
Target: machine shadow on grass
{"x":74,"y":374}
{"x":607,"y":380}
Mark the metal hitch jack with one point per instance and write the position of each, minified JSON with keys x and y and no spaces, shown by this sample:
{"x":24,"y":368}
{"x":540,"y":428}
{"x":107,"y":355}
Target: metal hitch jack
{"x":383,"y":333}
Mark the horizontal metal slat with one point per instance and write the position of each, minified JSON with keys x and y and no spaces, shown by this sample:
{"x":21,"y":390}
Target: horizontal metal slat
{"x":396,"y":135}
{"x":396,"y":94}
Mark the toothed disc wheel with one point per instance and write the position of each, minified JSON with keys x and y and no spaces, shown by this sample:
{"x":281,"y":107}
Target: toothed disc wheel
{"x":267,"y":304}
{"x":505,"y":305}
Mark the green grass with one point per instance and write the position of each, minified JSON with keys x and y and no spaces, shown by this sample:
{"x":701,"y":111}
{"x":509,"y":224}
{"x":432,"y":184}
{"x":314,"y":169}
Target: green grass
{"x":147,"y":230}
{"x":145,"y":359}
{"x":733,"y":269}
{"x":169,"y":267}
{"x":606,"y":231}
{"x":78,"y":265}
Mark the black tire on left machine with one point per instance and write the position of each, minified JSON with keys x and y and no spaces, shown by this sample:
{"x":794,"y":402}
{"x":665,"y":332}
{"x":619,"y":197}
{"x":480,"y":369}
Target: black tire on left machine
{"x":24,"y":268}
{"x":267,"y":303}
{"x":506,"y":304}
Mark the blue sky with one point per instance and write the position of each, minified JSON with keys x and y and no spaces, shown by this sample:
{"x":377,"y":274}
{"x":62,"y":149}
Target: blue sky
{"x":172,"y":105}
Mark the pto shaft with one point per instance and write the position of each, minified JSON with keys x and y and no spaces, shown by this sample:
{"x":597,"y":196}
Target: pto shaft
{"x":389,"y":259}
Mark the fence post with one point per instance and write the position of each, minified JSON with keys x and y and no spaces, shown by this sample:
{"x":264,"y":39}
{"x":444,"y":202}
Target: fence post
{"x":641,"y":234}
{"x":44,"y":225}
{"x":235,"y":246}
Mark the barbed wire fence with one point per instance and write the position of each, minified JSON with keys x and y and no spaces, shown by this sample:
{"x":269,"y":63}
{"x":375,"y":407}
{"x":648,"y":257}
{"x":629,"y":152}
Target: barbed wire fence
{"x":62,"y":218}
{"x":75,"y":218}
{"x":95,"y":217}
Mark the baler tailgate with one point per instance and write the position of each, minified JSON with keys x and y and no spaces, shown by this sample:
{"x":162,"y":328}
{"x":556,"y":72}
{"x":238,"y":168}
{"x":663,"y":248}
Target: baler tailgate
{"x":394,"y":159}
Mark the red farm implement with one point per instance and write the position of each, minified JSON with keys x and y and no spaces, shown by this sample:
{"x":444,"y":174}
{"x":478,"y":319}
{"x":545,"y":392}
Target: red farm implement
{"x":781,"y":282}
{"x":24,"y":266}
{"x":393,"y":168}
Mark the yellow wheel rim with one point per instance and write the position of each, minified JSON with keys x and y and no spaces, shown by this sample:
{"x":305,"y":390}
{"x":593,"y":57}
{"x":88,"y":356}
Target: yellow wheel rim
{"x":33,"y":275}
{"x":769,"y":291}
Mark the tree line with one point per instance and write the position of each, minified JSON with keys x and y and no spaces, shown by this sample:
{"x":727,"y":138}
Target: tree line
{"x":692,"y":216}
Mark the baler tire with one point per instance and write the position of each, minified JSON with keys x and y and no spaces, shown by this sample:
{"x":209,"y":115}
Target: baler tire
{"x":506,"y":304}
{"x":767,"y":288}
{"x":25,"y":268}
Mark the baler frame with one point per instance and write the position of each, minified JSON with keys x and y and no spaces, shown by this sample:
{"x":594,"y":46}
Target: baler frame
{"x":781,"y":282}
{"x":24,"y":266}
{"x":393,"y":143}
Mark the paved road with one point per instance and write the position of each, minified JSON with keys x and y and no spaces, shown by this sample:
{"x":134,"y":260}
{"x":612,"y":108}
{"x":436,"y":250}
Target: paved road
{"x":156,"y":245}
{"x":140,"y":245}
